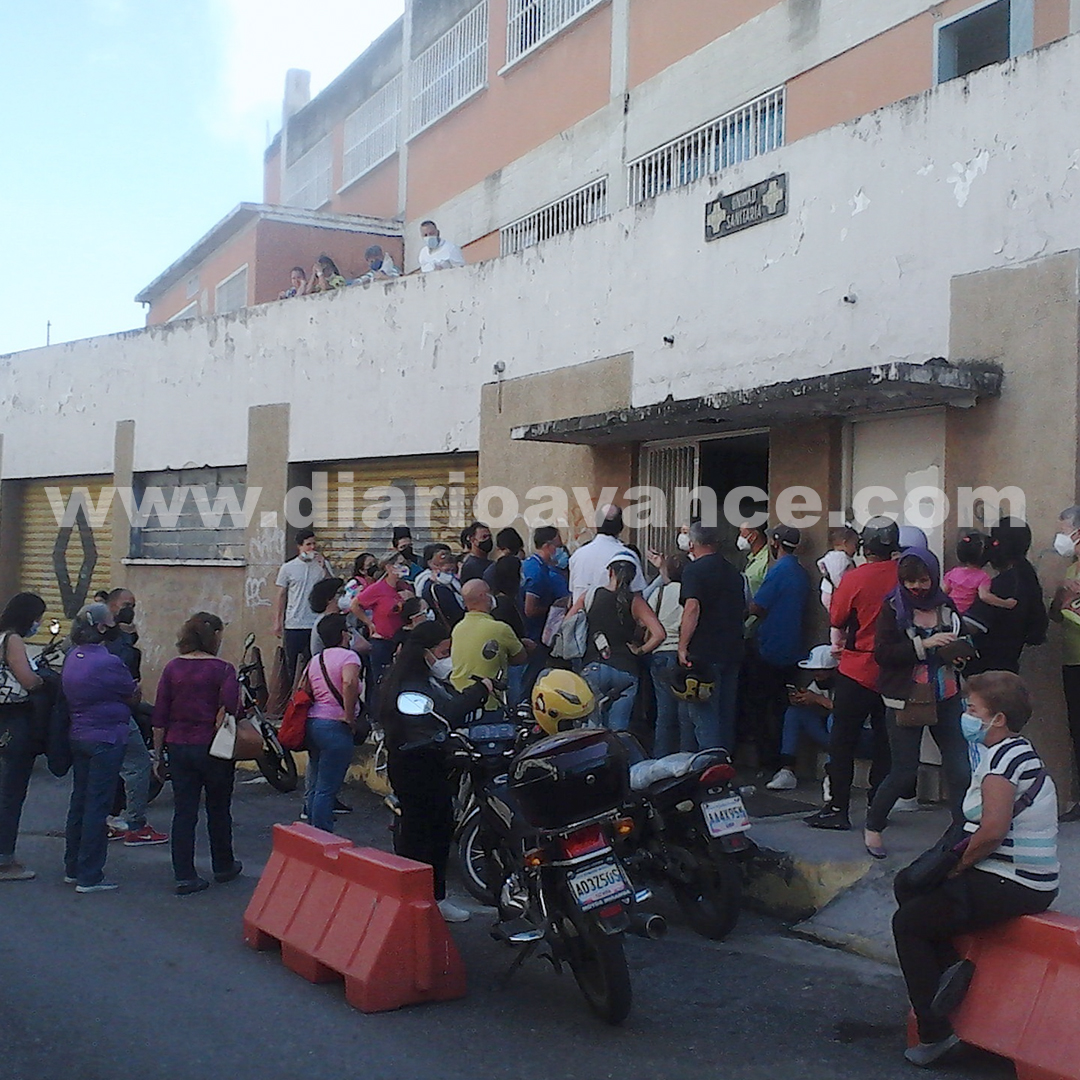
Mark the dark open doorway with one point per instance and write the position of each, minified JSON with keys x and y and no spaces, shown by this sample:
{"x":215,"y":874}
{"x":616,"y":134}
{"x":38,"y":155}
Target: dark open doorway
{"x":727,"y":464}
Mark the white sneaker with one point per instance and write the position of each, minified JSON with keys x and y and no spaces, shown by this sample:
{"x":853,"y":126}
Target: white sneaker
{"x":784,"y":780}
{"x":906,"y":806}
{"x":101,"y":886}
{"x":118,"y":823}
{"x":826,"y":790}
{"x":452,"y":913}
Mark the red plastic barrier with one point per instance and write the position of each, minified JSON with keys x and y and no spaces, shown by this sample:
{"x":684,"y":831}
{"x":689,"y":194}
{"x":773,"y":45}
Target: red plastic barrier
{"x":356,"y":913}
{"x":1024,"y":1001}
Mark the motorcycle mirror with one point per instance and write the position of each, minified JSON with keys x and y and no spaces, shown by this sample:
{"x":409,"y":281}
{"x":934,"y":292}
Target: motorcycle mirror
{"x":249,"y":641}
{"x":414,"y":704}
{"x":54,"y":627}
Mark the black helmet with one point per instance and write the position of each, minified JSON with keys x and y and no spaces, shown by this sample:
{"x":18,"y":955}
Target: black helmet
{"x":881,"y":537}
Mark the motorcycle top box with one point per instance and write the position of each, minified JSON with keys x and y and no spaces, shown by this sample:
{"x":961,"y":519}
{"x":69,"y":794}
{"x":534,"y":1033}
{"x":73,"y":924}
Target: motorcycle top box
{"x":570,"y":777}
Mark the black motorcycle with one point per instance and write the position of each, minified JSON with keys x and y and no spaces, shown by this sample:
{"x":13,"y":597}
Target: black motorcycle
{"x":275,"y":762}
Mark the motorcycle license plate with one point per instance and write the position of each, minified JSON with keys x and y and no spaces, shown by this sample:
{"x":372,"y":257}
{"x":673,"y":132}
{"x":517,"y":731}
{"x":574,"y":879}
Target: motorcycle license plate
{"x":726,"y":816}
{"x":599,"y":884}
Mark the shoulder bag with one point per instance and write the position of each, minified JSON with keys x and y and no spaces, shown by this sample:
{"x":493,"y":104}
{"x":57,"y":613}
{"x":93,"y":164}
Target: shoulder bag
{"x":236,"y":739}
{"x":363,"y":726}
{"x":293,"y":728}
{"x":572,"y":638}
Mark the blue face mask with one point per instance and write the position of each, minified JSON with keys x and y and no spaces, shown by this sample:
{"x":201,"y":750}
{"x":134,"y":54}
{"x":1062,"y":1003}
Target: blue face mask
{"x":973,"y":729}
{"x":34,"y":629}
{"x":562,"y":558}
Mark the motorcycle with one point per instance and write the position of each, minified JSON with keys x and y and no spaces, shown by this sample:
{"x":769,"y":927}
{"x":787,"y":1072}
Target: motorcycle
{"x":275,"y":762}
{"x":550,"y":821}
{"x":689,"y":832}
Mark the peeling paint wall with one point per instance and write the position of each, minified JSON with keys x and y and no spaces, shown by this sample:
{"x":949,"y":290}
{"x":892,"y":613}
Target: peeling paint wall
{"x":977,"y":173}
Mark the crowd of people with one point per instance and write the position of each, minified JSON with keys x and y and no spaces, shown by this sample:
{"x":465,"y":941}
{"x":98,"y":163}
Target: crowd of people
{"x":436,"y":253}
{"x":707,"y":654}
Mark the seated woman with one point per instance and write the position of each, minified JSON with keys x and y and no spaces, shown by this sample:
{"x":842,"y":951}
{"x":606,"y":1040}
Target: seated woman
{"x":1009,"y":868}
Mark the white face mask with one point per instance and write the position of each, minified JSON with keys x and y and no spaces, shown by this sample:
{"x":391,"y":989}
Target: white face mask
{"x":1063,"y":545}
{"x":441,"y":669}
{"x":307,"y":556}
{"x":433,"y":242}
{"x":683,"y":541}
{"x":742,"y":543}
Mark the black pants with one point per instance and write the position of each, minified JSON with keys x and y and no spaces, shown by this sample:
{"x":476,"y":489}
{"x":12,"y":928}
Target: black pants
{"x":1070,"y":678}
{"x":765,"y":699}
{"x":194,"y":771}
{"x":297,"y":645}
{"x":924,"y":928}
{"x":852,"y":704}
{"x":421,"y":781}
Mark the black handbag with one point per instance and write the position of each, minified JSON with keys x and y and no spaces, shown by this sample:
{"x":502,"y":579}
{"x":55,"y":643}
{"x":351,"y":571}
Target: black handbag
{"x":933,"y":866}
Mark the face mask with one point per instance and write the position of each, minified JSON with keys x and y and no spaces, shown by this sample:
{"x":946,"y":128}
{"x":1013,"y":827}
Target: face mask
{"x":742,"y":543}
{"x":376,"y":265}
{"x":683,"y":541}
{"x":444,"y":577}
{"x":307,"y":556}
{"x":441,"y":669}
{"x":1063,"y":545}
{"x":126,"y":614}
{"x":486,"y":546}
{"x":34,"y":629}
{"x":973,"y":729}
{"x":432,"y":242}
{"x":561,"y":558}
{"x":407,"y":551}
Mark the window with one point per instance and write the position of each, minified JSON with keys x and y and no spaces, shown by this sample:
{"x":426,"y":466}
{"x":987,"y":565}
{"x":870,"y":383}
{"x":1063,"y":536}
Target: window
{"x":191,"y":286}
{"x":190,"y":312}
{"x":531,"y":22}
{"x":987,"y":34}
{"x":308,"y":181}
{"x":743,"y":133}
{"x":371,"y":132}
{"x":189,"y":514}
{"x":451,"y":70}
{"x":231,"y":293}
{"x":581,"y":207}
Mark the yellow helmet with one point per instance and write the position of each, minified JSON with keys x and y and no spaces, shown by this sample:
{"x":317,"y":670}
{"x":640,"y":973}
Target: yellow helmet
{"x":559,"y":698}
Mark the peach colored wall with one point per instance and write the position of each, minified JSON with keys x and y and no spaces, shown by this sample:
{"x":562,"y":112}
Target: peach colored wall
{"x":282,"y":246}
{"x":537,"y":99}
{"x":375,"y":194}
{"x":664,"y":31}
{"x":272,"y":178}
{"x":486,"y":247}
{"x":231,"y":256}
{"x":1051,"y":21}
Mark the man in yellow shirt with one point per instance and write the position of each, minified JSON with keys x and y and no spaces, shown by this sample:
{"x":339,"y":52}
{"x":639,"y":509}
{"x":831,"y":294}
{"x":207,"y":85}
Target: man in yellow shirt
{"x":480,"y":645}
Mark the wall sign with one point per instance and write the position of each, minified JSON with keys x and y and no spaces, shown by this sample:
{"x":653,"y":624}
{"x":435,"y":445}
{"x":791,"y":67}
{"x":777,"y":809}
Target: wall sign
{"x":743,"y":209}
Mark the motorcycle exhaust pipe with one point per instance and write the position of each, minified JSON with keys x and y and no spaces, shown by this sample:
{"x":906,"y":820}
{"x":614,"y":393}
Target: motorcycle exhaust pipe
{"x":650,"y":926}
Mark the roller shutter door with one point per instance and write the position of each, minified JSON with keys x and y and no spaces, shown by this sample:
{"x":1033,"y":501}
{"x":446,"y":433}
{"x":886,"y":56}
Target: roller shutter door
{"x":65,"y":565}
{"x":342,"y":541}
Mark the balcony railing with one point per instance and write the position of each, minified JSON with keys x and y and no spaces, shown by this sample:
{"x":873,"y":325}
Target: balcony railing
{"x":371,"y":134}
{"x":531,"y":22}
{"x":451,"y":70}
{"x":743,"y":133}
{"x":308,"y":181}
{"x":581,"y":207}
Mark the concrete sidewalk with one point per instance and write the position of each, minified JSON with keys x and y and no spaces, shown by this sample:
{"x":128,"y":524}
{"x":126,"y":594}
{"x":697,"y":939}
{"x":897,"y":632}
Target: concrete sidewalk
{"x":829,"y":889}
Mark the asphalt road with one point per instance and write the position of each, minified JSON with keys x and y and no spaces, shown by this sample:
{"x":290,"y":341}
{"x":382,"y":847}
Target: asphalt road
{"x":145,"y":984}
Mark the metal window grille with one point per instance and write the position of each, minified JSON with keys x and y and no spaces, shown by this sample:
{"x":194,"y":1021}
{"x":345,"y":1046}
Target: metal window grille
{"x":449,"y":71}
{"x":231,"y":293}
{"x":531,"y":22}
{"x":371,"y":134}
{"x":308,"y":181}
{"x":743,"y":133}
{"x":581,"y":207}
{"x":668,"y":468}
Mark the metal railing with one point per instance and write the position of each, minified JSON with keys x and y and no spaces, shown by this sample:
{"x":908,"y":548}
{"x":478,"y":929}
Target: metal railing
{"x":308,"y":181}
{"x":371,"y":133}
{"x":743,"y":133}
{"x":531,"y":22}
{"x":451,"y":70}
{"x":581,"y":207}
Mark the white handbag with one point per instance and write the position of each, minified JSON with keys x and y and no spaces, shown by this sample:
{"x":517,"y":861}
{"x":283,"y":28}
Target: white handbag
{"x":236,"y":740}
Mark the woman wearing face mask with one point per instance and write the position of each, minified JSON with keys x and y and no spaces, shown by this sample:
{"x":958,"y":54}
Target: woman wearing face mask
{"x":916,"y":628}
{"x":21,"y":618}
{"x":417,"y":765}
{"x":1009,"y":867}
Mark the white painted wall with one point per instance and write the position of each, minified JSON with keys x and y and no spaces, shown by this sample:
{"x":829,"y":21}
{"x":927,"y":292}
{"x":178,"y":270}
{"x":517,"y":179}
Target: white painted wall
{"x":975,"y":174}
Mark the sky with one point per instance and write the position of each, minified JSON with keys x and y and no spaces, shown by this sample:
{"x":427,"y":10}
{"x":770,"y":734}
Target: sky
{"x":133,"y":126}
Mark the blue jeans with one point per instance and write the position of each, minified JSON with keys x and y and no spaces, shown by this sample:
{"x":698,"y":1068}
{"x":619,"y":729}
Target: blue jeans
{"x":714,"y":720}
{"x":96,"y":771}
{"x":604,"y":680}
{"x":330,"y":752}
{"x":800,"y":721}
{"x":674,"y":727}
{"x":135,"y":773}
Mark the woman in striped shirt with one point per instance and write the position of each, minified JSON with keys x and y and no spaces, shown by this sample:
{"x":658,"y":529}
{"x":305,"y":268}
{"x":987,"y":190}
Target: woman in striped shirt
{"x":1009,"y":867}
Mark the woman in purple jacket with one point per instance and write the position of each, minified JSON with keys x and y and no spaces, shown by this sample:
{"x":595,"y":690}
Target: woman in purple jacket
{"x":195,"y":690}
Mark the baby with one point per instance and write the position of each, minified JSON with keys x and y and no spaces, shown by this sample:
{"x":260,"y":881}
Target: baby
{"x":833,"y":565}
{"x":969,"y":582}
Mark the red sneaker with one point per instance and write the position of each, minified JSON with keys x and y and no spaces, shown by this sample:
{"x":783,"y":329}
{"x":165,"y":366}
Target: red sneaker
{"x":145,"y":837}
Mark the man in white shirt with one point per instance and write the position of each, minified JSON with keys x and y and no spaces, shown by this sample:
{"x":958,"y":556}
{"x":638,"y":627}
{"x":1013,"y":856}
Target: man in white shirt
{"x":437,"y":253}
{"x":293,"y":616}
{"x":589,"y":564}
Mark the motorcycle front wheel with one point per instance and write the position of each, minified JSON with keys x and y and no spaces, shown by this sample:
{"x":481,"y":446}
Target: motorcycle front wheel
{"x":710,"y":904}
{"x":275,"y":762}
{"x":599,"y":966}
{"x":479,"y":870}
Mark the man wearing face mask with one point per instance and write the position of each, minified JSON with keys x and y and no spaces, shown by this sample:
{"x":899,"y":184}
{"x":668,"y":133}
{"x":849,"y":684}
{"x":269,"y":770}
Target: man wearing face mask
{"x":477,"y":541}
{"x":403,"y":545}
{"x":293,"y":617}
{"x":380,"y":266}
{"x":481,"y":646}
{"x":128,"y":821}
{"x":437,"y":253}
{"x":439,"y":586}
{"x":1065,"y":609}
{"x":754,"y":544}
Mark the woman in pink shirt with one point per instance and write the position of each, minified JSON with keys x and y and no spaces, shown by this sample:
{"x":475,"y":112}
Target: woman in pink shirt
{"x":379,"y":606}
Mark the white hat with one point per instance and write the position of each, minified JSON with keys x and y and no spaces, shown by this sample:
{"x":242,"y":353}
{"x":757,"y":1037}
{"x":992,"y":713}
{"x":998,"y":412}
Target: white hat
{"x":820,"y":659}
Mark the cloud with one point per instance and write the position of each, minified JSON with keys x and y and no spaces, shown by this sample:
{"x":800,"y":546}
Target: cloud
{"x":262,"y":39}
